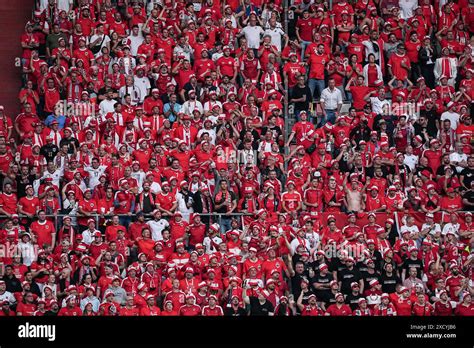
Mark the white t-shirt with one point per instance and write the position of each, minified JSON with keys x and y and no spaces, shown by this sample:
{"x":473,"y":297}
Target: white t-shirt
{"x":456,"y":157}
{"x":156,"y":228}
{"x":296,"y":242}
{"x":27,"y":251}
{"x":453,"y":117}
{"x":407,"y":7}
{"x":56,"y":175}
{"x":434,"y":229}
{"x":209,"y":246}
{"x":215,"y":57}
{"x":87,"y":236}
{"x":8,"y":296}
{"x":413,"y":229}
{"x":450,"y":227}
{"x":182,"y":207}
{"x":411,"y":161}
{"x":140,"y":177}
{"x":276,"y":35}
{"x":94,"y":175}
{"x":378,"y":105}
{"x":210,"y":104}
{"x":155,"y":187}
{"x":252,"y":34}
{"x":101,"y":37}
{"x":106,"y":106}
{"x":143,"y":84}
{"x":135,"y":42}
{"x":189,"y":106}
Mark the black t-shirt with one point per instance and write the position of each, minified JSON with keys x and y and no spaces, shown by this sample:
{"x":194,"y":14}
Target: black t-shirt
{"x":299,"y":92}
{"x":256,"y":138}
{"x":12,"y":283}
{"x":469,"y":195}
{"x":335,"y":264}
{"x":431,"y":129}
{"x":468,"y":175}
{"x":329,"y":299}
{"x":276,"y":130}
{"x":361,"y":266}
{"x":386,"y":170}
{"x":353,"y":300}
{"x":266,"y":171}
{"x":389,"y":283}
{"x":306,"y":295}
{"x":103,"y":91}
{"x":441,"y":171}
{"x":390,"y":120}
{"x":296,"y":283}
{"x":188,"y":87}
{"x":22,"y":182}
{"x":69,"y":141}
{"x":419,"y":129}
{"x":377,"y":258}
{"x":409,"y":263}
{"x":221,"y":197}
{"x":49,"y":151}
{"x":259,"y":309}
{"x":358,"y":133}
{"x":322,"y":295}
{"x":230,"y":312}
{"x":346,"y":277}
{"x":369,"y":277}
{"x":419,"y":168}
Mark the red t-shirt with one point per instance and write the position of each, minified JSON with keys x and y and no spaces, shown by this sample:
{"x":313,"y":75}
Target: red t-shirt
{"x":305,"y":27}
{"x":335,"y":311}
{"x":8,"y":202}
{"x":403,"y":307}
{"x":165,"y":201}
{"x":358,"y":94}
{"x":317,"y":66}
{"x":395,"y":62}
{"x":465,"y":311}
{"x":226,"y":66}
{"x":291,"y":199}
{"x":212,"y":312}
{"x":70,"y":312}
{"x":43,"y":232}
{"x":190,"y":311}
{"x":412,"y":50}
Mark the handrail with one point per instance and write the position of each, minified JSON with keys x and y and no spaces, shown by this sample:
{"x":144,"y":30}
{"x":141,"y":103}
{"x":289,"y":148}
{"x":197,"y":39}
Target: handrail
{"x":97,"y":217}
{"x":286,"y":113}
{"x":214,"y":214}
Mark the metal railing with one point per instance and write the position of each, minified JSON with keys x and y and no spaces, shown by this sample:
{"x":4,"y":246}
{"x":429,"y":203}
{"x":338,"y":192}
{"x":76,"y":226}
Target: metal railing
{"x":214,"y":217}
{"x":58,"y":218}
{"x":286,"y":113}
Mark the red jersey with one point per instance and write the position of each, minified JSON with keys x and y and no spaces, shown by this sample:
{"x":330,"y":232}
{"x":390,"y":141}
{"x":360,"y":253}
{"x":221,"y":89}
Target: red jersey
{"x":291,"y":200}
{"x":395,"y":62}
{"x":336,"y":311}
{"x":43,"y":231}
{"x":190,"y":311}
{"x":317,"y":64}
{"x":212,"y":312}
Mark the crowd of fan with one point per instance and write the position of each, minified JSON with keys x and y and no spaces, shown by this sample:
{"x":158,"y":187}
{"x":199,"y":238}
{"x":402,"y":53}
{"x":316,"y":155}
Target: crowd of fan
{"x":153,"y":169}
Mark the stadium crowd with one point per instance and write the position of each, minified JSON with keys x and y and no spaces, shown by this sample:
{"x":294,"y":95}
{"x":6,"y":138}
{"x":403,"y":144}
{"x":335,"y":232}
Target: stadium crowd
{"x":251,"y":157}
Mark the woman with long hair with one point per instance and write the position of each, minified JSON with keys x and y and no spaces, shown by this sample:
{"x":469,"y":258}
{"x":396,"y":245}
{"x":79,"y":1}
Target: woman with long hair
{"x":88,"y":312}
{"x":372,"y":72}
